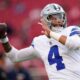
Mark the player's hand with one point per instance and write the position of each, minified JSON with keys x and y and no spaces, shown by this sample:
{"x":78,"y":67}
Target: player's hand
{"x":45,"y":27}
{"x":3,"y":30}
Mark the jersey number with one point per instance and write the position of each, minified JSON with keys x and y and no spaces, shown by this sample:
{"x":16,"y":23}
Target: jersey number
{"x":57,"y":58}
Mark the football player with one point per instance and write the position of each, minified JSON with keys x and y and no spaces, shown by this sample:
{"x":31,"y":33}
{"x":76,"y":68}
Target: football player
{"x":59,"y":47}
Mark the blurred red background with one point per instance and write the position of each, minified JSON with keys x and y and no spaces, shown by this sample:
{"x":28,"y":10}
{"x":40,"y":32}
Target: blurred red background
{"x":22,"y":16}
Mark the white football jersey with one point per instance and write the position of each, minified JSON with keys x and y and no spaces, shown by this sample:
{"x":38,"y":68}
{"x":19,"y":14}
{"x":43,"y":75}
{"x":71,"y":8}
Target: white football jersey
{"x":61,"y":62}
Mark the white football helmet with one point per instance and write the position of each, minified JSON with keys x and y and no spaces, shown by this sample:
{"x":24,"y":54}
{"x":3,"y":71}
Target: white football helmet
{"x":54,"y":10}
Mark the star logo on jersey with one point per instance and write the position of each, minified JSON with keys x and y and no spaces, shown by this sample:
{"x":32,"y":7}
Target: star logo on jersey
{"x":50,"y":43}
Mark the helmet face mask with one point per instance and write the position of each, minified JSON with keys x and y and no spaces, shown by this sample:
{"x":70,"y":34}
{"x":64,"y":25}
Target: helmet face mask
{"x":58,"y":15}
{"x":54,"y":15}
{"x":56,"y":19}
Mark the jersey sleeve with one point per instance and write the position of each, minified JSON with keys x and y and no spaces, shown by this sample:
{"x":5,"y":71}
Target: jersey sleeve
{"x":75,"y":31}
{"x":73,"y":40}
{"x":23,"y":54}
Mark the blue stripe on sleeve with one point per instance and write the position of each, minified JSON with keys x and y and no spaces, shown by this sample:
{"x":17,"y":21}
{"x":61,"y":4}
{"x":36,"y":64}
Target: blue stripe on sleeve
{"x":75,"y":31}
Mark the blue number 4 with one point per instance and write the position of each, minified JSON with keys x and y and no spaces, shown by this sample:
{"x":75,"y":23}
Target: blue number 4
{"x":58,"y":59}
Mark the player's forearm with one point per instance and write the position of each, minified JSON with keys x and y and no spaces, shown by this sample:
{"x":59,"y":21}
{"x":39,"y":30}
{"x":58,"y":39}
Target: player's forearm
{"x":3,"y":37}
{"x":59,"y":37}
{"x":6,"y":45}
{"x":20,"y":55}
{"x":12,"y":53}
{"x":70,"y":41}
